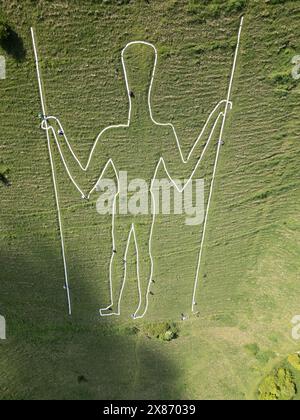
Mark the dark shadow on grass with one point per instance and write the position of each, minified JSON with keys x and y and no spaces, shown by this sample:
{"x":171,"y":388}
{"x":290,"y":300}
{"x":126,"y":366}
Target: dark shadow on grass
{"x":49,"y":355}
{"x":13,"y":45}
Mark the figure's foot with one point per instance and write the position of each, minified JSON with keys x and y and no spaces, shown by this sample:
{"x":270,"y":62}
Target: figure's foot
{"x":111,"y":310}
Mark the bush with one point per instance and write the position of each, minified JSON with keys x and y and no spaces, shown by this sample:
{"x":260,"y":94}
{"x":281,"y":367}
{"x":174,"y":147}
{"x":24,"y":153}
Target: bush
{"x":294,"y":361}
{"x":261,"y":356}
{"x":278,"y":386}
{"x":206,"y":9}
{"x":234,"y":6}
{"x":252,"y":348}
{"x":163,"y":331}
{"x":4,"y":170}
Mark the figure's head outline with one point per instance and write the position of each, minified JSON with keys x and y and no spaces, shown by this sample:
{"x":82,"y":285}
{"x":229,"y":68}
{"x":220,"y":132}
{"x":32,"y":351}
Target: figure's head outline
{"x":148,"y":44}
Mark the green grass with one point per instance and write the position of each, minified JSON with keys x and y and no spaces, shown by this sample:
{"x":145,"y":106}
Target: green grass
{"x":249,"y":283}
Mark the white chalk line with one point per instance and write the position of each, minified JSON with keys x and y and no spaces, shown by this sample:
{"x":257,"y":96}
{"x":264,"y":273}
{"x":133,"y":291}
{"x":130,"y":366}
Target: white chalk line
{"x":228,"y":103}
{"x":53,"y":177}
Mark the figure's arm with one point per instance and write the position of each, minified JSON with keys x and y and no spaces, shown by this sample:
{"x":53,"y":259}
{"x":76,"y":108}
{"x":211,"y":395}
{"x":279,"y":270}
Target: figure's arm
{"x":83,"y":176}
{"x":180,"y":167}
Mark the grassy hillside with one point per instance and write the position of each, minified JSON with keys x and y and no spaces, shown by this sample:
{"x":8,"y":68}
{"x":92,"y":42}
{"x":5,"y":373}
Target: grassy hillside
{"x":249,"y":282}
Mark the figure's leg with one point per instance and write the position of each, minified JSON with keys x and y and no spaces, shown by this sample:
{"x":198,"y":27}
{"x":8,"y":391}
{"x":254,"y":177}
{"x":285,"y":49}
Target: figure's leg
{"x":145,"y":266}
{"x":117,"y":269}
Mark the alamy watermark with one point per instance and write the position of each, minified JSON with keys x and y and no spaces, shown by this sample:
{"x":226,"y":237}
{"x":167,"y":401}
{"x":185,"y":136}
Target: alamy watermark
{"x":2,"y":328}
{"x":141,"y":197}
{"x":2,"y":68}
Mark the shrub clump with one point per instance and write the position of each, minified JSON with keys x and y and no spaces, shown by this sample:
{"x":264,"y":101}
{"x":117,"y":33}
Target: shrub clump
{"x":163,"y":331}
{"x":272,"y":2}
{"x":3,"y":168}
{"x":4,"y":172}
{"x":294,"y":361}
{"x":278,"y":386}
{"x":260,"y":355}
